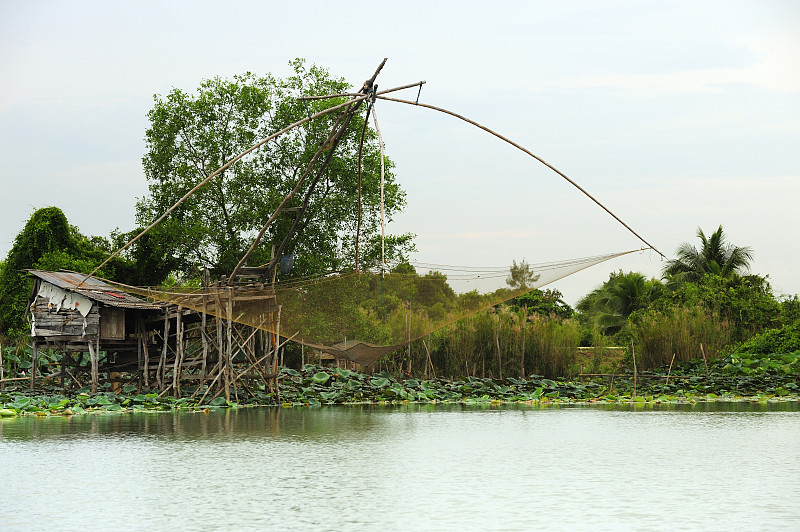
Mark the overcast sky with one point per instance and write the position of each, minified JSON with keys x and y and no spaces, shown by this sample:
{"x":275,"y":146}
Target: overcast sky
{"x":676,"y":115}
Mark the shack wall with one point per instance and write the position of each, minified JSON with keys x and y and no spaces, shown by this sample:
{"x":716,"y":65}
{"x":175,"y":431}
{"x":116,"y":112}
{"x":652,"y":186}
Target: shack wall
{"x":63,"y":324}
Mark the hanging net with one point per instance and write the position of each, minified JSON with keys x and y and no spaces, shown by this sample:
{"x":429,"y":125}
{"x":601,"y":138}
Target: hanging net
{"x":362,"y":316}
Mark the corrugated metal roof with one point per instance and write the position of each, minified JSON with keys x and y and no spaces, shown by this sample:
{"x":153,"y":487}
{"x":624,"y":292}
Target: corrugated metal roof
{"x":94,"y":289}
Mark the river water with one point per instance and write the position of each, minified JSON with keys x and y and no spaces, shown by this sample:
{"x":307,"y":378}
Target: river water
{"x":715,"y":466}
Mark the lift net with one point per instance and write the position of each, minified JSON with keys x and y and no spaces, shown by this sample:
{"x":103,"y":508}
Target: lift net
{"x":362,"y":316}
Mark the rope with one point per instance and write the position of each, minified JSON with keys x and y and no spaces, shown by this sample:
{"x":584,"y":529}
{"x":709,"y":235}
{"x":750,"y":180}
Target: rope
{"x":550,"y":166}
{"x":383,"y":210}
{"x":213,"y":175}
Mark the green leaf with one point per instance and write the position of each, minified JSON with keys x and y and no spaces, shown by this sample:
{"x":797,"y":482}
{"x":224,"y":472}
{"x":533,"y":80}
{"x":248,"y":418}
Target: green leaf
{"x":320,"y":377}
{"x":379,"y":382}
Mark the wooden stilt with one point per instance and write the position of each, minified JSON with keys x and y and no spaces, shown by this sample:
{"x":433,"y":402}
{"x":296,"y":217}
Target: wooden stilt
{"x":93,"y":356}
{"x":145,"y":341}
{"x":162,"y":361}
{"x":524,"y":328}
{"x":139,"y":357}
{"x":229,"y":349}
{"x":34,"y":364}
{"x":204,"y":339}
{"x":176,"y":366}
{"x":220,"y":340}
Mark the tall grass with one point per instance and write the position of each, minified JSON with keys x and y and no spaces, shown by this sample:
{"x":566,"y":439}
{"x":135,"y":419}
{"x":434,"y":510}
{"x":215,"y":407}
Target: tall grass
{"x":490,"y":344}
{"x":681,"y":332}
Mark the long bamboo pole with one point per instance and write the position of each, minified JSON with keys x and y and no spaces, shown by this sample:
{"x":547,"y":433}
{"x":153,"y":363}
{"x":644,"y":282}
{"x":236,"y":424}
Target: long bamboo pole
{"x":519,"y":147}
{"x":212,"y":176}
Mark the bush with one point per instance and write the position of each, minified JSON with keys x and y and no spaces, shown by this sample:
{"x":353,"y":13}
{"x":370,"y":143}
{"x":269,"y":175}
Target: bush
{"x":783,"y":340}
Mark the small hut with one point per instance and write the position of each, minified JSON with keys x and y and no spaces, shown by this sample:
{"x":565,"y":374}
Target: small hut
{"x":76,"y":314}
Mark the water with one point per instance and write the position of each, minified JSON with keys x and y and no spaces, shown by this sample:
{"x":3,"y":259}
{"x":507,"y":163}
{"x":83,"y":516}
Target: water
{"x":416,"y":467}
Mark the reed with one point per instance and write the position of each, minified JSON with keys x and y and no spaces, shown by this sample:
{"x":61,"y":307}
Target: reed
{"x":679,"y":332}
{"x":490,"y":344}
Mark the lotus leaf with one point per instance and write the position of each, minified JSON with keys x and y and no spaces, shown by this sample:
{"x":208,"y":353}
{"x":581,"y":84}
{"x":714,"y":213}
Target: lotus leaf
{"x":379,"y":382}
{"x":320,"y":377}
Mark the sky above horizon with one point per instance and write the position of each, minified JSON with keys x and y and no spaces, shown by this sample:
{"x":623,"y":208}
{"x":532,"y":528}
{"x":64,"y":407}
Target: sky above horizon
{"x":676,"y":115}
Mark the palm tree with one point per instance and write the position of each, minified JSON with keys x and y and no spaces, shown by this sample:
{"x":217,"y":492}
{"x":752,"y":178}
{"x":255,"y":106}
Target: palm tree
{"x":609,"y":306}
{"x":715,"y":256}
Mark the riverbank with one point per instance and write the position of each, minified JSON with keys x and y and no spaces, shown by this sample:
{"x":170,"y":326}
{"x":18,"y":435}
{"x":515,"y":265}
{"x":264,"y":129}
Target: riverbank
{"x":759,"y":378}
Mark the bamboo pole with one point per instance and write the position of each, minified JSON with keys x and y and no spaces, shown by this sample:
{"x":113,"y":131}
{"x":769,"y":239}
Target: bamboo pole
{"x":93,"y":356}
{"x":524,"y":329}
{"x":215,"y":174}
{"x":176,"y":366}
{"x":162,"y":361}
{"x":277,"y":347}
{"x":669,"y":371}
{"x":703,"y":351}
{"x":633,"y":355}
{"x":383,"y":210}
{"x":204,"y":339}
{"x":146,"y":349}
{"x":553,"y":168}
{"x":139,"y":357}
{"x":229,"y":350}
{"x":34,"y":363}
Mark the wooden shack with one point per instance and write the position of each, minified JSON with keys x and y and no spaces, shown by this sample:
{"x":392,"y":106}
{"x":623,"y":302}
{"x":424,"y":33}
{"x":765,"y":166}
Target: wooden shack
{"x":76,"y":314}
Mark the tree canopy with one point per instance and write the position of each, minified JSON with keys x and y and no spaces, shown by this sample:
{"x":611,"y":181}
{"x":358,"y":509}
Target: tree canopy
{"x":609,"y":306}
{"x":715,"y":256}
{"x":192,"y":135}
{"x":49,"y":242}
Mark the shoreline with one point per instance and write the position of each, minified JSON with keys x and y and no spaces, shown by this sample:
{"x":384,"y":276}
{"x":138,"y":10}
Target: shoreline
{"x":316,"y":385}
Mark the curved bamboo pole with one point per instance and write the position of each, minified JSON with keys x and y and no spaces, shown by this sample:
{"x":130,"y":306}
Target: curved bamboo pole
{"x":550,"y":166}
{"x":215,"y":174}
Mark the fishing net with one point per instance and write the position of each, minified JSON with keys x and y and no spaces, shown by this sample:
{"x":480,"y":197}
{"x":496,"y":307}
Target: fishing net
{"x":364,"y":315}
{"x":360,"y":315}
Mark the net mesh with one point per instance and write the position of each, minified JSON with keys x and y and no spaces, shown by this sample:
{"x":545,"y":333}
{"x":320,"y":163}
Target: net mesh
{"x":364,"y":315}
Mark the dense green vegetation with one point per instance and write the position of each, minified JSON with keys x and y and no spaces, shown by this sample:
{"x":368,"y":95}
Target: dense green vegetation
{"x":733,"y":378}
{"x":706,"y":306}
{"x":192,"y":135}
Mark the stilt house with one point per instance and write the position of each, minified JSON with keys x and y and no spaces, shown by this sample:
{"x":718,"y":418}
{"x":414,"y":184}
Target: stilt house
{"x":74,"y":314}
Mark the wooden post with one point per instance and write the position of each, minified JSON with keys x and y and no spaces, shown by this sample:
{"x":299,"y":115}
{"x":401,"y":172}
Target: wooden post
{"x":2,"y":376}
{"x":139,"y":356}
{"x":524,"y":328}
{"x":703,"y":351}
{"x":275,"y":367}
{"x":93,"y":356}
{"x":497,"y":341}
{"x":34,"y":364}
{"x":146,"y":350}
{"x":176,"y":366}
{"x":229,"y":349}
{"x":162,"y":361}
{"x":204,"y":338}
{"x":633,"y":355}
{"x":670,"y":368}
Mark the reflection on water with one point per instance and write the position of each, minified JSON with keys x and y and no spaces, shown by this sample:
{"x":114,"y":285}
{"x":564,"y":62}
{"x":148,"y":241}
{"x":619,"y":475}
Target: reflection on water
{"x":426,"y":467}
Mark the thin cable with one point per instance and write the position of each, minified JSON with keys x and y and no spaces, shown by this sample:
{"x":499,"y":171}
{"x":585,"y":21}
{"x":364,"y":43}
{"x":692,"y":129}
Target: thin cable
{"x":553,"y":168}
{"x":213,"y":175}
{"x":383,"y":210}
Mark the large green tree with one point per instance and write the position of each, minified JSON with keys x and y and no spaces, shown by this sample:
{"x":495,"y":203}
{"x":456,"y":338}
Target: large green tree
{"x":49,"y":242}
{"x":714,"y":256}
{"x":193,"y":134}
